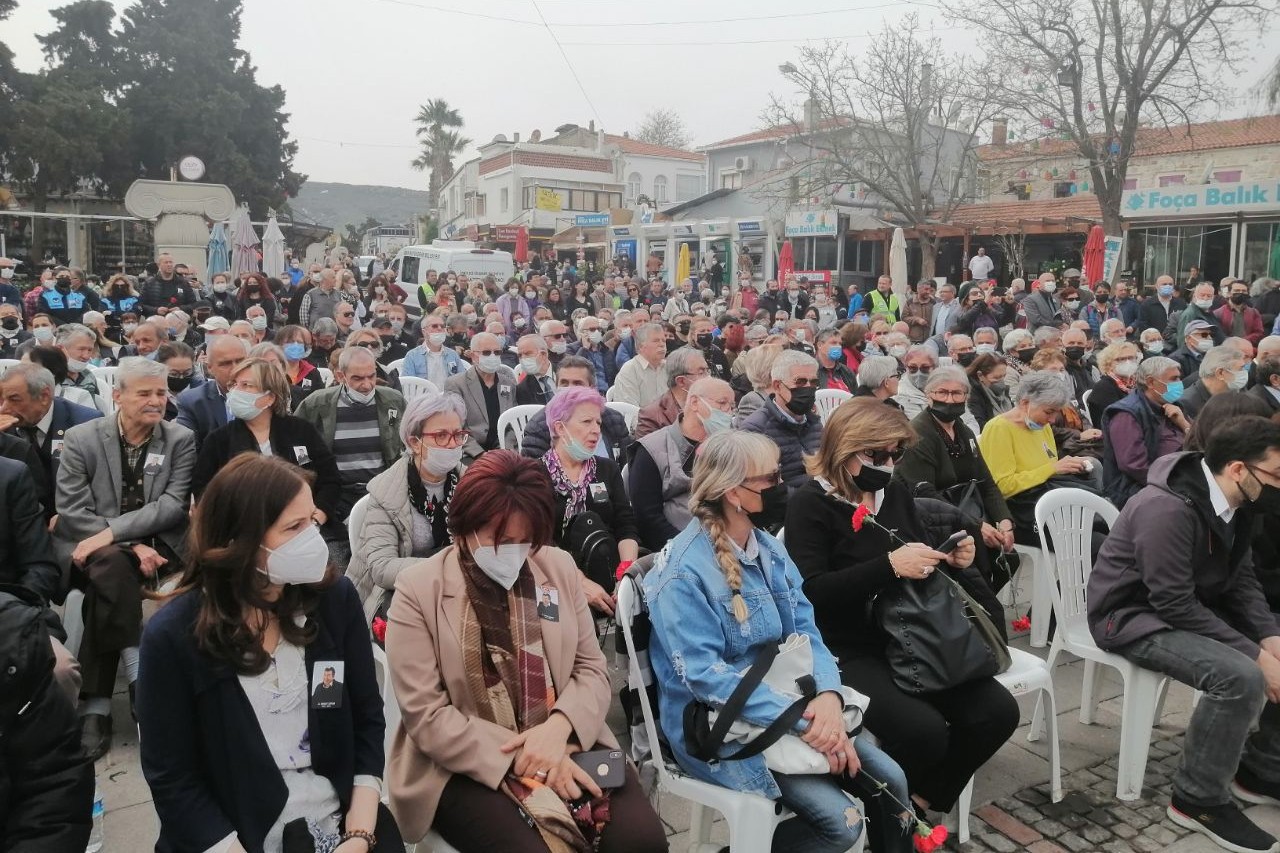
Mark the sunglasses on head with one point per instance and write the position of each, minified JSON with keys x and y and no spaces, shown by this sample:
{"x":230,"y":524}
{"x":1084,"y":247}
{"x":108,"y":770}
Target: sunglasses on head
{"x":881,"y":456}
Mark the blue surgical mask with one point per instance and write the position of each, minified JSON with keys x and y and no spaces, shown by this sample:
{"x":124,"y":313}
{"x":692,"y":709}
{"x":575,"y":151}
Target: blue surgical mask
{"x":243,"y":404}
{"x":1032,"y":425}
{"x":295,"y":351}
{"x":835,"y":353}
{"x":577,"y":451}
{"x":1165,"y":290}
{"x":1173,"y":391}
{"x":716,"y":421}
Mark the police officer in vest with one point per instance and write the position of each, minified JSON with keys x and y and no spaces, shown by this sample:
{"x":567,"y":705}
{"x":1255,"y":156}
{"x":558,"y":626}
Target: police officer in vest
{"x":883,"y":300}
{"x":62,"y":302}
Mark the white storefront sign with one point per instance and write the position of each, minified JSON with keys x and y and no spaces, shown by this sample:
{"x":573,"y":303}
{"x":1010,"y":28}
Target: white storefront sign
{"x":812,"y":223}
{"x":1202,"y":200}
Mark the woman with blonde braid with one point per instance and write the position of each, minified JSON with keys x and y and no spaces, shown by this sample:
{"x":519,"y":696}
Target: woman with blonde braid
{"x":719,"y":593}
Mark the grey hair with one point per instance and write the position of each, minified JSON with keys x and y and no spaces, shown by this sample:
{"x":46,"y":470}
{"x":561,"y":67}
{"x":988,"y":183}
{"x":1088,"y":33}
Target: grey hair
{"x":545,"y":327}
{"x":985,"y":330}
{"x":93,"y":317}
{"x":647,"y":331}
{"x":1219,"y":358}
{"x":789,"y":360}
{"x":926,"y":351}
{"x":876,"y":370}
{"x":263,"y":349}
{"x":426,"y":406}
{"x":678,"y":363}
{"x":241,"y":324}
{"x":1152,"y":367}
{"x":67,"y":332}
{"x":1111,"y":325}
{"x":39,"y":379}
{"x":537,"y":340}
{"x":324,"y":326}
{"x":1016,"y":338}
{"x":350,"y":354}
{"x":1044,"y":334}
{"x":956,"y":338}
{"x":136,"y":367}
{"x":949,"y":373}
{"x":1263,"y":285}
{"x":1044,"y":388}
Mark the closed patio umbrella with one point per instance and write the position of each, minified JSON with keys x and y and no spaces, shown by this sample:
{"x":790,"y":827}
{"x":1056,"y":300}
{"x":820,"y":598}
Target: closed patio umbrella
{"x":522,"y":245}
{"x":898,"y":263}
{"x":1093,"y":256}
{"x":273,"y":249}
{"x":682,"y":263}
{"x":244,"y":243}
{"x":219,"y":256}
{"x":786,"y":261}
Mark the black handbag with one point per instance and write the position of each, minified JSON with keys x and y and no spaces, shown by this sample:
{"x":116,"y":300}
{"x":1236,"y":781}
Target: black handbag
{"x":938,"y":637}
{"x":593,"y":546}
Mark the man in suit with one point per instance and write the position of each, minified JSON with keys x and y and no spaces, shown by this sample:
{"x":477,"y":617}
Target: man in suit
{"x":1268,"y":388}
{"x":203,"y":409}
{"x":538,"y":385}
{"x":488,"y":388}
{"x":123,"y":490}
{"x":30,"y":412}
{"x":19,"y":450}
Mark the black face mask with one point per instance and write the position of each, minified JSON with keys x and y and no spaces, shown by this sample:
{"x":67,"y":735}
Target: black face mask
{"x":1267,"y":500}
{"x":801,"y":402}
{"x":871,"y":479}
{"x":1101,"y":298}
{"x":773,"y":507}
{"x":1025,"y":355}
{"x":1239,"y":298}
{"x":63,"y":285}
{"x":946,"y":412}
{"x":683,"y":327}
{"x":1075,"y":353}
{"x":9,"y":323}
{"x":965,"y":359}
{"x":178,"y":384}
{"x":703,"y":341}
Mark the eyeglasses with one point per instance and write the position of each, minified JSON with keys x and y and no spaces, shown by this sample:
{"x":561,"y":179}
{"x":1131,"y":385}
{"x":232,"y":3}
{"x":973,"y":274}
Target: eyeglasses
{"x":369,"y":345}
{"x":447,"y":438}
{"x":346,"y":314}
{"x":803,"y":382}
{"x":881,"y":456}
{"x":773,"y":478}
{"x":942,"y":394}
{"x":922,"y":371}
{"x":487,"y":351}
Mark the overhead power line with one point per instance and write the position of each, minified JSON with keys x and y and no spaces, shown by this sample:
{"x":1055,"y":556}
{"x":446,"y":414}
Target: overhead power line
{"x":564,"y":53}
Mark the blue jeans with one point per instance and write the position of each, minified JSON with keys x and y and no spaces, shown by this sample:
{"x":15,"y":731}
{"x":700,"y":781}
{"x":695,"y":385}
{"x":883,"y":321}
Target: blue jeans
{"x":827,"y":821}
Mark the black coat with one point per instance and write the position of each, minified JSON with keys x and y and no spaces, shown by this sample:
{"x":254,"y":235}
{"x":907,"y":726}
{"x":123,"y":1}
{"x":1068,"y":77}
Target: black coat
{"x":1103,"y":394}
{"x":288,"y":433}
{"x":203,"y":752}
{"x":1152,"y":315}
{"x":614,"y":510}
{"x":927,"y":461}
{"x":19,"y":450}
{"x":26,"y":553}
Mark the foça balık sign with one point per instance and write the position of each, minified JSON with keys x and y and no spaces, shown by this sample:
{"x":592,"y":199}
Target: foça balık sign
{"x":1205,"y":200}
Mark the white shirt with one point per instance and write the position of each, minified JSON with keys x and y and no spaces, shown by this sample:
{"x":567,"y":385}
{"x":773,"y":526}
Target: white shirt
{"x":1218,"y":498}
{"x":640,"y":384}
{"x":980,"y":266}
{"x":437,"y":373}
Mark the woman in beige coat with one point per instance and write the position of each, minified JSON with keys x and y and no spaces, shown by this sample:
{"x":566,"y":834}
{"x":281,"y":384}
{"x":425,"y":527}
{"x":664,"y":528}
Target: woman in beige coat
{"x":501,"y":680}
{"x":406,"y":515}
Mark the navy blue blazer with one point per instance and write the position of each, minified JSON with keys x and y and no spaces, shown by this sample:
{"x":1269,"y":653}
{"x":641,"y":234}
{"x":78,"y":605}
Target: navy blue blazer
{"x":65,"y":415}
{"x":204,"y":755}
{"x":202,"y":409}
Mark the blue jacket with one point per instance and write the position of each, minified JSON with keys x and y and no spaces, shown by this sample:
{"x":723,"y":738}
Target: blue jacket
{"x":415,"y":362}
{"x":698,"y":649}
{"x":202,"y":409}
{"x":203,"y":752}
{"x":598,"y":358}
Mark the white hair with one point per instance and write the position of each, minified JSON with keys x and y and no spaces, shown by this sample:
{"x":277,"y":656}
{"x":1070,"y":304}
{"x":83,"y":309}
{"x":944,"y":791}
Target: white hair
{"x":133,"y":368}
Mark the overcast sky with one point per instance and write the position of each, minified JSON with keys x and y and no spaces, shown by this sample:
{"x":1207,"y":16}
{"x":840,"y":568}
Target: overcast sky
{"x":355,"y":71}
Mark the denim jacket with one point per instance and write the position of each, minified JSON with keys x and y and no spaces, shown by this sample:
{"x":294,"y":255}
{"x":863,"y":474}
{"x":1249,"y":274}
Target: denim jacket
{"x":698,"y":649}
{"x":415,"y":362}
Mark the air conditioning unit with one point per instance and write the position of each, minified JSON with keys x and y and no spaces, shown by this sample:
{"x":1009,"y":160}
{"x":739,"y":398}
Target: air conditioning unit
{"x":743,"y":164}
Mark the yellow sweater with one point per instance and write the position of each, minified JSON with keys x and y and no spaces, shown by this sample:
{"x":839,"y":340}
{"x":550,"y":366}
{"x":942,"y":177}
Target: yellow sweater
{"x":1019,"y":458}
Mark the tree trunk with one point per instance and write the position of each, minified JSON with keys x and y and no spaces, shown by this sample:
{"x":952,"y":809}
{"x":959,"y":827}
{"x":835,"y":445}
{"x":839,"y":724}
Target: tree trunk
{"x":928,"y":257}
{"x":40,"y":204}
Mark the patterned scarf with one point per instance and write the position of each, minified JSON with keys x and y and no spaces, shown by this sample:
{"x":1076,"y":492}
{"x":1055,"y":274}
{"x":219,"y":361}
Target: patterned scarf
{"x":575,"y":492}
{"x":434,"y":511}
{"x":510,"y":683}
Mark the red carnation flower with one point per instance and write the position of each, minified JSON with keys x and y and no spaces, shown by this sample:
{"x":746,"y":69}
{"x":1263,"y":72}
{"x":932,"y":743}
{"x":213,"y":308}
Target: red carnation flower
{"x":173,"y":300}
{"x":859,"y":517}
{"x":380,"y":629}
{"x":927,"y":842}
{"x":1022,"y":623}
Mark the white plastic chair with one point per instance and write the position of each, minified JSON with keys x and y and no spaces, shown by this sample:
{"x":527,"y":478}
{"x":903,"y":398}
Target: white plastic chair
{"x":1028,"y":674}
{"x":106,"y":379}
{"x":6,"y":363}
{"x":1033,"y":563}
{"x":1065,"y":517}
{"x":608,"y":395}
{"x":516,"y":419}
{"x":355,"y":522}
{"x":398,"y":364}
{"x":827,"y":400}
{"x":327,"y":375}
{"x":1084,"y":403}
{"x":629,"y":411}
{"x":412,"y":387}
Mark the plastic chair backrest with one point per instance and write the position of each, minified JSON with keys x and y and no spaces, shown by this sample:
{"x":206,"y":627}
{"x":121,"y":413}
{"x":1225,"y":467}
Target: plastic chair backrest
{"x":106,"y":378}
{"x":608,"y":395}
{"x":6,"y":363}
{"x":1064,"y":518}
{"x":355,"y":522}
{"x":628,"y":605}
{"x":412,"y":387}
{"x":327,"y":375}
{"x":827,"y":400}
{"x":1084,"y":404}
{"x":516,"y":419}
{"x":629,"y":411}
{"x":395,"y":365}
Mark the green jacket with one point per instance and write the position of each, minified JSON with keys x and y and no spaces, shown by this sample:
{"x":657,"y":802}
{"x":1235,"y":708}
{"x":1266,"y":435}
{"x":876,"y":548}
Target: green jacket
{"x":320,"y":410}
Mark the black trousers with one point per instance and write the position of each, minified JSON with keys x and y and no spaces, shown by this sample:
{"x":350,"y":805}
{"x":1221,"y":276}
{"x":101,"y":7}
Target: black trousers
{"x":476,"y":819}
{"x":940,"y":739}
{"x":112,"y":616}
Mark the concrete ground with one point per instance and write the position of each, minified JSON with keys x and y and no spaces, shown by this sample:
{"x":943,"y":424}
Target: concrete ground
{"x":1010,"y":808}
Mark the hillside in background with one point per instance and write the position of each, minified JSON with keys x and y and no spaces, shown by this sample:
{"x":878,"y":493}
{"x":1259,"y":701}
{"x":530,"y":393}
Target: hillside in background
{"x":340,"y":205}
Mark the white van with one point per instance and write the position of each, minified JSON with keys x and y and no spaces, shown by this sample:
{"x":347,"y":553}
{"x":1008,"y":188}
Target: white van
{"x":460,"y":257}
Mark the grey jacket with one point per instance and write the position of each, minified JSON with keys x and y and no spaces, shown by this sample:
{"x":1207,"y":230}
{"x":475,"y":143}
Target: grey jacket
{"x":1043,"y":309}
{"x":467,"y":386}
{"x":320,"y":409}
{"x":90,"y":482}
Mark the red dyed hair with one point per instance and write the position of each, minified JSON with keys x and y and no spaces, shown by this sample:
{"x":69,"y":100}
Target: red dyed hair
{"x":500,"y":484}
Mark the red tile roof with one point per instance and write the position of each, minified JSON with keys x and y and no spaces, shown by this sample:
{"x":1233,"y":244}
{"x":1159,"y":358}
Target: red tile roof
{"x":647,"y":149}
{"x":1233,"y":133}
{"x":1082,"y":206}
{"x":546,"y":160}
{"x":781,"y":131}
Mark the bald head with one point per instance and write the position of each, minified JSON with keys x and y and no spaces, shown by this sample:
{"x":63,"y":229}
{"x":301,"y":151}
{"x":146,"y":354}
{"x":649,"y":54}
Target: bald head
{"x":1270,"y":345}
{"x":709,"y":387}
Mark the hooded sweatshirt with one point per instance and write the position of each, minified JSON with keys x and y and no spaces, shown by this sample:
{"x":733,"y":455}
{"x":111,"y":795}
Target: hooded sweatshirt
{"x":1171,"y":563}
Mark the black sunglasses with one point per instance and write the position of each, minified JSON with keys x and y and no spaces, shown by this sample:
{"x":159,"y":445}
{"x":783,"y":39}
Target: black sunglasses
{"x":881,"y":456}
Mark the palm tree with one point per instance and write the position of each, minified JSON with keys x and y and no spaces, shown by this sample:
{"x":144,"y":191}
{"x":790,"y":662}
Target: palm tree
{"x":436,"y":121}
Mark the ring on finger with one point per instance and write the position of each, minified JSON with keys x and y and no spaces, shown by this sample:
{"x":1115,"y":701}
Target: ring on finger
{"x":541,"y":774}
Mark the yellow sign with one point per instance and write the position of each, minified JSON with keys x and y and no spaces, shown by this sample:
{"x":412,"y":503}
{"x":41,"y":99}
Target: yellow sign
{"x":548,"y":200}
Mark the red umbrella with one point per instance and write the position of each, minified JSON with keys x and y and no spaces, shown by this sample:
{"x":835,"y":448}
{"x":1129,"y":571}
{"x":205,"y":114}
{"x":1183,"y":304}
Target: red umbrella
{"x":522,"y":245}
{"x":786,"y":263}
{"x":1093,"y":251}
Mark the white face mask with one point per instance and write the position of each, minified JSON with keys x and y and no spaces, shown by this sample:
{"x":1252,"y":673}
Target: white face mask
{"x":503,"y":563}
{"x":303,"y":559}
{"x":489,"y":363}
{"x":1204,"y":304}
{"x":529,"y":366}
{"x":77,"y":366}
{"x":1049,"y":287}
{"x":559,"y":347}
{"x":43,"y":334}
{"x":220,"y":287}
{"x":441,"y":460}
{"x":258,"y":323}
{"x":436,"y":338}
{"x":1125,"y":369}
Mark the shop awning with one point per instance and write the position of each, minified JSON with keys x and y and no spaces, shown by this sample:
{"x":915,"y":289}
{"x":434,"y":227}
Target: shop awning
{"x":593,"y":238}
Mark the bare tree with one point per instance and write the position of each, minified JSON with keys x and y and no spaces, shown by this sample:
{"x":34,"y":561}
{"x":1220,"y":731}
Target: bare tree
{"x":663,"y":127}
{"x":896,"y":123}
{"x":1093,"y":72}
{"x":1013,"y":245}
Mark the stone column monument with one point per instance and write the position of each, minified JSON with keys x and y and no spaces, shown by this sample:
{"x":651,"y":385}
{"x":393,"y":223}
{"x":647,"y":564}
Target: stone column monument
{"x":181,"y":212}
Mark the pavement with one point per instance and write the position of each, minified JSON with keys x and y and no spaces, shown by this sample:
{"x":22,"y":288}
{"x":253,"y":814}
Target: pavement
{"x":1011,"y":808}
